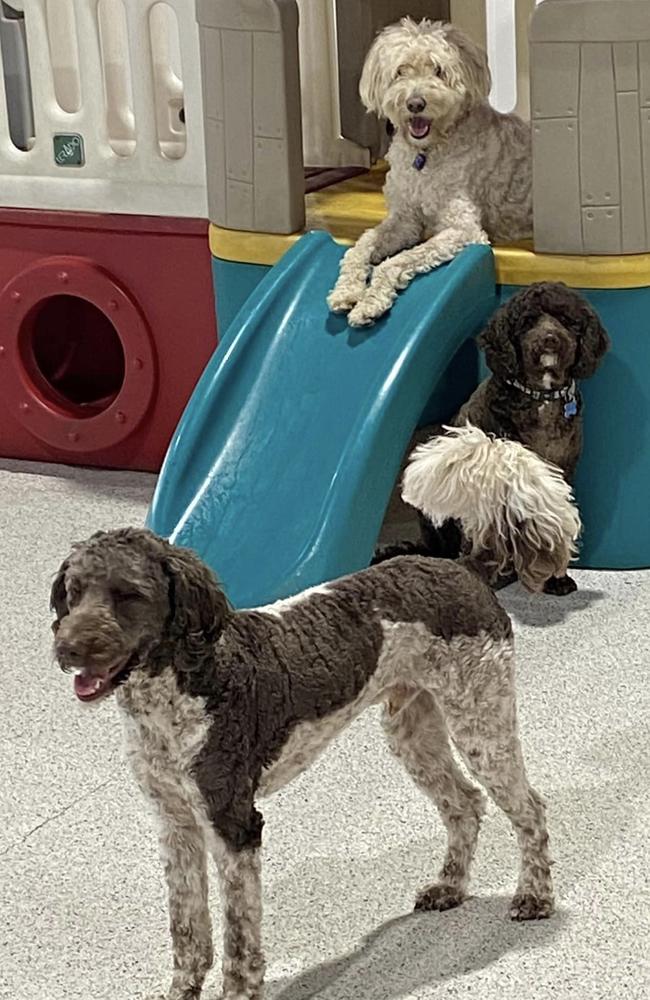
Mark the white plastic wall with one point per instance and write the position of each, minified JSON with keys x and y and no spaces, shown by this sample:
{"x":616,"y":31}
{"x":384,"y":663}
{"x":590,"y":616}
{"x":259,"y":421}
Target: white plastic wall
{"x":121,"y":73}
{"x":501,"y":27}
{"x":323,"y":144}
{"x":125,"y":76}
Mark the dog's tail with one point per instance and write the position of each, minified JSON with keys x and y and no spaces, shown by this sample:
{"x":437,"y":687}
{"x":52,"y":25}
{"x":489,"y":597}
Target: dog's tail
{"x":515,"y":509}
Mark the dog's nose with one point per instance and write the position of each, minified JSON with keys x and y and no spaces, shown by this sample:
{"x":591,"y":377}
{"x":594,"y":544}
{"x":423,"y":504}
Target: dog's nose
{"x":551,"y":342}
{"x":416,"y":105}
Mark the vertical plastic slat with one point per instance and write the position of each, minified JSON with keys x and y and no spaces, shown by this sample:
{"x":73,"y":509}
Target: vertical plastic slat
{"x":137,"y":16}
{"x":43,"y":98}
{"x":92,"y":117}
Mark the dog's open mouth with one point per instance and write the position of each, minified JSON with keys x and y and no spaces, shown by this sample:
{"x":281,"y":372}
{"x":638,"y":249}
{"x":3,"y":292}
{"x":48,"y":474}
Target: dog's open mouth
{"x":91,"y":687}
{"x":419,"y":127}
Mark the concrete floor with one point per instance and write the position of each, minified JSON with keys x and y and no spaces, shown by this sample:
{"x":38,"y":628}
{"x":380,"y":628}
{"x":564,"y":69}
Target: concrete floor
{"x":82,"y":905}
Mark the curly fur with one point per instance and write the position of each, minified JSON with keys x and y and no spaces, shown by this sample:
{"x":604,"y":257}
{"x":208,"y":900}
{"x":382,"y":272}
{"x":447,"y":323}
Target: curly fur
{"x":501,"y":336}
{"x":545,"y":337}
{"x":222,"y":707}
{"x":431,"y":82}
{"x":508,"y":501}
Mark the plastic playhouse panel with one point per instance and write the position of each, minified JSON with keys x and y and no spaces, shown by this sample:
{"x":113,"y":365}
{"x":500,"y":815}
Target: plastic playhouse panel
{"x":590,"y":102}
{"x":117,"y":109}
{"x":249,"y":54}
{"x":284,"y":461}
{"x":106,"y":324}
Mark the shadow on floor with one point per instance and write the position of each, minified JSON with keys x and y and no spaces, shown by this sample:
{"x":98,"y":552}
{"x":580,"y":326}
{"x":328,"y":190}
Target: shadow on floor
{"x":416,"y":950}
{"x":543,"y":611}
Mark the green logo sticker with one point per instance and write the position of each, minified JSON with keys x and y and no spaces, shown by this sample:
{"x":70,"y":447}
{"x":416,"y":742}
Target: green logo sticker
{"x":69,"y":150}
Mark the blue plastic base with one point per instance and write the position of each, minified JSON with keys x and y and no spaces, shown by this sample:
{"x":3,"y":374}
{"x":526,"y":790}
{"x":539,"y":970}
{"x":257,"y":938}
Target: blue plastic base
{"x":233,"y":284}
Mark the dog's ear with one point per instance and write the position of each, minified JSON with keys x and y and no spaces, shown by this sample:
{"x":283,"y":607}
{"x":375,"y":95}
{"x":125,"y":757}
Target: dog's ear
{"x":374,"y":76}
{"x":498,"y":343}
{"x":593,"y":343}
{"x":58,"y":596}
{"x":473,"y":68}
{"x":198,"y":605}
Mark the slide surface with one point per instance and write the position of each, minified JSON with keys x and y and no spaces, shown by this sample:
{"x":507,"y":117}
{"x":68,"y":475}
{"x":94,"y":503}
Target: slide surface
{"x":283,"y":463}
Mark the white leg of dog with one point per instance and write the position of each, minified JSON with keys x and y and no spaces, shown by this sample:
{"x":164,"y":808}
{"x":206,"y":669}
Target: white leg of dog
{"x":241,"y":888}
{"x":418,"y":737}
{"x":460,"y":227}
{"x":183,"y":852}
{"x":394,"y":233}
{"x":489,"y":744}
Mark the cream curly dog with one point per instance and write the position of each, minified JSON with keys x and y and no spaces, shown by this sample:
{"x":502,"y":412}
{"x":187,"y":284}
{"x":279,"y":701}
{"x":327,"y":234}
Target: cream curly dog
{"x":460,"y":172}
{"x":223,"y":707}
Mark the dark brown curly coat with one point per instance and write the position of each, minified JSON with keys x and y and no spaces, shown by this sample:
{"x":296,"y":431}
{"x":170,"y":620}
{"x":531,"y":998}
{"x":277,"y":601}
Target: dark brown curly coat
{"x":544,"y":337}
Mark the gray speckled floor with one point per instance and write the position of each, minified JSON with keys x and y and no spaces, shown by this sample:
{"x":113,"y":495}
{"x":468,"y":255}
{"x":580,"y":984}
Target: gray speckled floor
{"x":82,"y":913}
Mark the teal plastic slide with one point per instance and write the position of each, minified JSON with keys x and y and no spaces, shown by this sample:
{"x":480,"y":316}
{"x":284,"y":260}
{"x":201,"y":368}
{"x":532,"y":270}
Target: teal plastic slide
{"x":283,"y":463}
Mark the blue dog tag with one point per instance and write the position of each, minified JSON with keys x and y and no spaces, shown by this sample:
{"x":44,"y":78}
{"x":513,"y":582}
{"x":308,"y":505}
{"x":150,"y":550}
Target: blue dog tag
{"x":570,"y":409}
{"x":419,"y":161}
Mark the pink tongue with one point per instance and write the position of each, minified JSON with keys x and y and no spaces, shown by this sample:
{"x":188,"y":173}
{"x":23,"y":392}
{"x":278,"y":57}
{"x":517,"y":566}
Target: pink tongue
{"x":419,"y":127}
{"x":86,"y":686}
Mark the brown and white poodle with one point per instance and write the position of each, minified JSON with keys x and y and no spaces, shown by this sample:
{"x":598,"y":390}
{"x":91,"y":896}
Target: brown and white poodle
{"x":224,"y":707}
{"x":538,"y":346}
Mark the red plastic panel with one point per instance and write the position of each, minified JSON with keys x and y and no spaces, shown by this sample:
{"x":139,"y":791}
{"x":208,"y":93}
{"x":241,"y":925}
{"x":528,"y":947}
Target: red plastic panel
{"x":106,"y":323}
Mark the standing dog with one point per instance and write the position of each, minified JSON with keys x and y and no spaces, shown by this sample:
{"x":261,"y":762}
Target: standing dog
{"x":460,"y":172}
{"x":537,"y":346}
{"x":222,"y":707}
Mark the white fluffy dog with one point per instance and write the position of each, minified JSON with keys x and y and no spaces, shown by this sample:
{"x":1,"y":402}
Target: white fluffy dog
{"x":460,"y":171}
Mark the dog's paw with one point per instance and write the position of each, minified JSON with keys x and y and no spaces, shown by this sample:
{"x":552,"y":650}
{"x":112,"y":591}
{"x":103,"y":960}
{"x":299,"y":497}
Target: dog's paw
{"x":177,"y":993}
{"x":439,"y":897}
{"x":526,"y":906}
{"x":344,"y":297}
{"x":370,"y":308}
{"x":377,"y":300}
{"x":560,"y":586}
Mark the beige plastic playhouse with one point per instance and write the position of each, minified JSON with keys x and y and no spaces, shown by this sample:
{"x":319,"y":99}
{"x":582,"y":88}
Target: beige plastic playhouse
{"x":587,"y":71}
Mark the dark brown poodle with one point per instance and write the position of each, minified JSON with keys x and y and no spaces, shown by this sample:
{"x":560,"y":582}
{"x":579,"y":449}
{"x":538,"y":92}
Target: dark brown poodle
{"x":537,"y":346}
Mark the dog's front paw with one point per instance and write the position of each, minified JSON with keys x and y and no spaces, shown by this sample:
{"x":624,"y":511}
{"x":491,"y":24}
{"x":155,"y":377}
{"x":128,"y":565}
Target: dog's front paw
{"x":560,"y":586}
{"x":178,"y":991}
{"x":527,"y":906}
{"x":439,"y":897}
{"x":377,"y":300}
{"x":371,"y":307}
{"x":191,"y":994}
{"x":345,"y":295}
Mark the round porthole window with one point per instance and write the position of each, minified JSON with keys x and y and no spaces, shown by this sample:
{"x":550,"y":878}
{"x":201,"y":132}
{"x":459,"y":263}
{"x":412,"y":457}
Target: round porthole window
{"x":77,"y":361}
{"x":73,"y":354}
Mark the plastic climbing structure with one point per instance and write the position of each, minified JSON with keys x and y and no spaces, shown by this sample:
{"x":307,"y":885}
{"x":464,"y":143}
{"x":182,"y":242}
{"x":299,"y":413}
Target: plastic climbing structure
{"x":127,"y":125}
{"x":106,"y":304}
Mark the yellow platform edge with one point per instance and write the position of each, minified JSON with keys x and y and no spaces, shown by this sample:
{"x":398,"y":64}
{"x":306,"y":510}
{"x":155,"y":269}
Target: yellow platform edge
{"x":347,"y":209}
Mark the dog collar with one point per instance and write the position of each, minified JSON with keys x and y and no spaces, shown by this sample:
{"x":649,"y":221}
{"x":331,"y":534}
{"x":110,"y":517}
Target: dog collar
{"x":566,"y":392}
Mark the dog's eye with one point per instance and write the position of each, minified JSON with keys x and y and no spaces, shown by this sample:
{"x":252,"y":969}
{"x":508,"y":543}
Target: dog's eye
{"x":437,"y":71}
{"x":400,"y":71}
{"x":126,"y":597}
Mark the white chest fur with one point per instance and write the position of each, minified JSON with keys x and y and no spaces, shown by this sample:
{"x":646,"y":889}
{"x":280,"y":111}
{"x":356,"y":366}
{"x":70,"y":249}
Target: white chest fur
{"x":164,"y":729}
